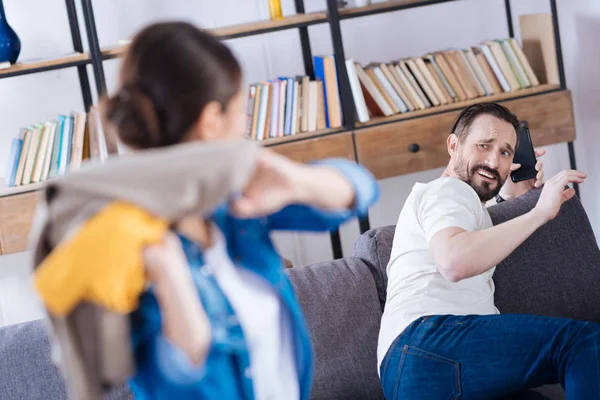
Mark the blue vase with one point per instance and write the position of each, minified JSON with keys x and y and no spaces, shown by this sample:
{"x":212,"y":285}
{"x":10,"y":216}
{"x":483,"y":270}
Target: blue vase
{"x":10,"y":45}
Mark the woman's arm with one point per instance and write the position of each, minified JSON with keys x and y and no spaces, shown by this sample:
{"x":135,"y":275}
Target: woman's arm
{"x":184,"y":322}
{"x":317,"y":196}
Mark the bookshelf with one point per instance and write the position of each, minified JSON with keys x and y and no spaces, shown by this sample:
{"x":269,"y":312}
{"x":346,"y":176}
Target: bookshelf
{"x":387,"y":146}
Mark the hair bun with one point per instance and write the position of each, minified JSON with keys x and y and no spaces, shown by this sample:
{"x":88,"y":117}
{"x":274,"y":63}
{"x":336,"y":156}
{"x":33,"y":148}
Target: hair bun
{"x":133,"y":114}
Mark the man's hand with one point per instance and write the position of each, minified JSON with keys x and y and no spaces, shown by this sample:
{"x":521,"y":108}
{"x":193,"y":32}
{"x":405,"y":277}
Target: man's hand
{"x":555,"y":193}
{"x":512,"y":190}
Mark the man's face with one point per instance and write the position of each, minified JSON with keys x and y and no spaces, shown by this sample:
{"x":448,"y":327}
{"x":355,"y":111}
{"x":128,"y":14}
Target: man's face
{"x":484,"y":157}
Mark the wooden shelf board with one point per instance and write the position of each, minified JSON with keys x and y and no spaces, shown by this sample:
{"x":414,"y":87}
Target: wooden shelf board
{"x":241,"y":30}
{"x":460,"y":105}
{"x":21,"y":68}
{"x":113,"y":52}
{"x":391,"y":5}
{"x":230,"y":32}
{"x":11,"y":191}
{"x":299,"y":137}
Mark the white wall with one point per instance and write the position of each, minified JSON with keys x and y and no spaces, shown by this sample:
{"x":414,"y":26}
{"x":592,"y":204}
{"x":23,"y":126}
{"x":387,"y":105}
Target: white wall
{"x":43,"y":28}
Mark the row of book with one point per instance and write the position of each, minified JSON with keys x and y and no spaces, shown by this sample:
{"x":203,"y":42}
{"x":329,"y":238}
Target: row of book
{"x":291,"y":105}
{"x":439,"y":78}
{"x":45,"y":150}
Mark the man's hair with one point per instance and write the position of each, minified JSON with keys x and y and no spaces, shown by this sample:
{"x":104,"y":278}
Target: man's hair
{"x":469,"y":114}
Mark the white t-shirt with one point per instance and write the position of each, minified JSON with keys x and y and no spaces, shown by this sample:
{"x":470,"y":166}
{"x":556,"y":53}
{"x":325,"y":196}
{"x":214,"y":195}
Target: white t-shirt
{"x":265,"y":322}
{"x":415,"y":286}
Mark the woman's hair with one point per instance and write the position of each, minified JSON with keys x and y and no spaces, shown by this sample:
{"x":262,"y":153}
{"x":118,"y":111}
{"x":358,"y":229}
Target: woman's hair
{"x":171,"y":71}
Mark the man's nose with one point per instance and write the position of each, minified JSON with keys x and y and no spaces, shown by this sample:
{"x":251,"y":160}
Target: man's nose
{"x":492,"y":160}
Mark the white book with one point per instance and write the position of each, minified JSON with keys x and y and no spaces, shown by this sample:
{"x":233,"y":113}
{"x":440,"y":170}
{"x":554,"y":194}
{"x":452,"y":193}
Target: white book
{"x":282,"y":100}
{"x":362,"y":111}
{"x":295,"y":109}
{"x":40,"y":159}
{"x":313,"y":96}
{"x":479,"y":71}
{"x":49,"y":150}
{"x":274,"y":123}
{"x":515,"y":63}
{"x":410,"y":84}
{"x":495,"y":67}
{"x":32,"y":151}
{"x":262,"y":113}
{"x":387,"y":86}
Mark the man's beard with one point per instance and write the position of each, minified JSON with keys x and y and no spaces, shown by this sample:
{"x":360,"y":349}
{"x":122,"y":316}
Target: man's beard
{"x":484,"y":189}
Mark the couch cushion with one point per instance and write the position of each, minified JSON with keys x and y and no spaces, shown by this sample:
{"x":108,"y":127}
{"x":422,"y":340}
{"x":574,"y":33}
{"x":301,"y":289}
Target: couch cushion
{"x":374,"y":247}
{"x":26,"y":369}
{"x":340,"y":302}
{"x":556,"y":271}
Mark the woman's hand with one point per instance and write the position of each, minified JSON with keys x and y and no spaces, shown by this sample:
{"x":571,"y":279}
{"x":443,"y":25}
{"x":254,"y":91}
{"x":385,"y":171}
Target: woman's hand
{"x":279,"y":181}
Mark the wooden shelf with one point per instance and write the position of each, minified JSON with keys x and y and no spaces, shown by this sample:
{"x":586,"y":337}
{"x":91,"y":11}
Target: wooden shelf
{"x":242,"y":30}
{"x":299,"y":136}
{"x":11,"y":191}
{"x":254,"y":28}
{"x":384,"y":149}
{"x":388,"y":6}
{"x":546,"y":88}
{"x":34,"y":66}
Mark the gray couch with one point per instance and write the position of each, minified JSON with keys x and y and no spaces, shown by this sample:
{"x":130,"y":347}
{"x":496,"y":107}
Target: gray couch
{"x":554,"y":273}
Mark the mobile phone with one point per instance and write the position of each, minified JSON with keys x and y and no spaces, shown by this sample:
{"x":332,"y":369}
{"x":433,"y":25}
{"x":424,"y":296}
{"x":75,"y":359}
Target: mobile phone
{"x":524,"y":155}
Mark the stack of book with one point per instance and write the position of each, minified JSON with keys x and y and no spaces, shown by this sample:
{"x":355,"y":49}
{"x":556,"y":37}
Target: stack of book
{"x":292,"y":105}
{"x":439,"y":78}
{"x":45,"y":150}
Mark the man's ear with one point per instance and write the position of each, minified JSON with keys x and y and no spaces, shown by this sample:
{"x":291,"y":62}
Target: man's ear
{"x":452,"y":143}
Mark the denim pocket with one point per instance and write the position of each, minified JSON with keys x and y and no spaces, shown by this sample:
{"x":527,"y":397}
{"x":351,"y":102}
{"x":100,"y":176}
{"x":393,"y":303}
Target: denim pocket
{"x":426,"y":376}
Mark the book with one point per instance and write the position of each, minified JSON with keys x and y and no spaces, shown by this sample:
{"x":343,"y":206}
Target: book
{"x":12,"y":165}
{"x":325,"y":70}
{"x":362,"y":112}
{"x":25,"y":134}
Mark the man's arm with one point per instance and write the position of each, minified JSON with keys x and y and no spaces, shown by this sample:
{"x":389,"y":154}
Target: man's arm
{"x":461,"y":254}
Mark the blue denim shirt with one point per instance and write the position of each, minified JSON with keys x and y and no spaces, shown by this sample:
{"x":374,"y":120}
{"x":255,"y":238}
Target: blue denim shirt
{"x":163,"y":371}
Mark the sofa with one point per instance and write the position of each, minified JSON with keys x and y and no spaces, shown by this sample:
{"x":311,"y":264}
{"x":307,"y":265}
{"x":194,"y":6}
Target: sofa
{"x":554,"y":273}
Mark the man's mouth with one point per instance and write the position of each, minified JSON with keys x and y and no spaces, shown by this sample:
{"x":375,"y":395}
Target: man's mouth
{"x":485,"y":174}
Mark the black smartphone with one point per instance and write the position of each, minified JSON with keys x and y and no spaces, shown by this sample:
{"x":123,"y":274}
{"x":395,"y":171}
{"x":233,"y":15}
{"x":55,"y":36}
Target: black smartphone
{"x":524,"y":155}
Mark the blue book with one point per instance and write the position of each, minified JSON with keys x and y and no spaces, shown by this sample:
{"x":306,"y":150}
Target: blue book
{"x":65,"y":145}
{"x":56,"y":147}
{"x":320,"y":75}
{"x":13,"y":162}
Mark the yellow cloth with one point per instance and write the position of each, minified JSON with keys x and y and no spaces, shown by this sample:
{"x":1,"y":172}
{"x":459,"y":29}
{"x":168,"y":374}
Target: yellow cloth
{"x":102,"y":263}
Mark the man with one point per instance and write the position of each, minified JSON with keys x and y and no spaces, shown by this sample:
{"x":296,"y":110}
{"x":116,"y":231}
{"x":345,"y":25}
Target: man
{"x":441,"y":336}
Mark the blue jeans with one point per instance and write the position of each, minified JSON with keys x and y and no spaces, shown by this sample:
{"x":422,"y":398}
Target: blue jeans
{"x":492,"y":357}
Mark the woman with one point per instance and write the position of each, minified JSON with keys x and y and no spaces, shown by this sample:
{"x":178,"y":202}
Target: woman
{"x":220,"y":319}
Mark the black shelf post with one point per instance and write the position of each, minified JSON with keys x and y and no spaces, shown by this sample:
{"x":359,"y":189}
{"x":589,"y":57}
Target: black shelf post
{"x":305,"y":43}
{"x":562,"y":79}
{"x":340,"y":61}
{"x":95,"y":53}
{"x":509,"y":20}
{"x":78,"y":47}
